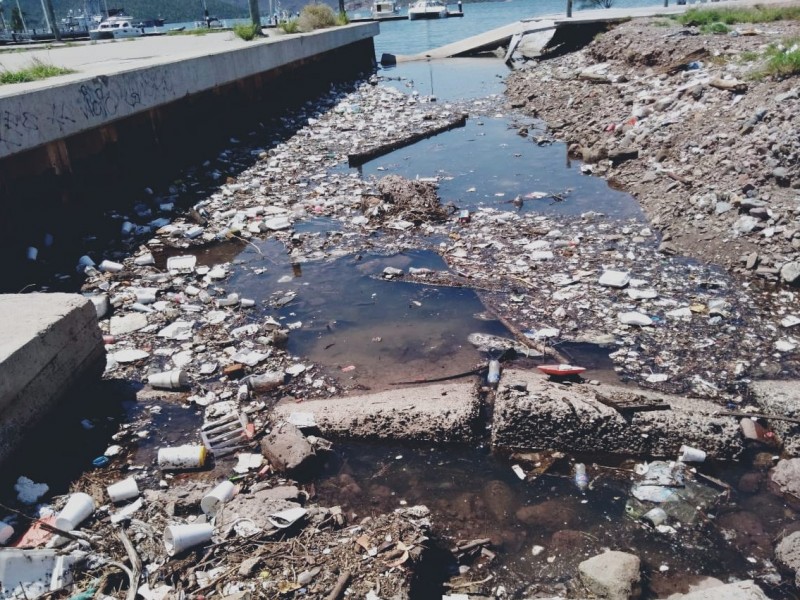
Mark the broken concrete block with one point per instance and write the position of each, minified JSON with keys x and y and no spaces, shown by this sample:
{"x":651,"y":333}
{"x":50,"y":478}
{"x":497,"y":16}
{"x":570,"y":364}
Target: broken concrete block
{"x":581,"y":418}
{"x":741,"y":590}
{"x":287,"y":448}
{"x":612,"y":575}
{"x":780,"y":398}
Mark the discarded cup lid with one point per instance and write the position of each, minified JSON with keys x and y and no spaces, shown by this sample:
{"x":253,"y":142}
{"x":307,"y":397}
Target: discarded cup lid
{"x":100,"y":461}
{"x":286,"y":518}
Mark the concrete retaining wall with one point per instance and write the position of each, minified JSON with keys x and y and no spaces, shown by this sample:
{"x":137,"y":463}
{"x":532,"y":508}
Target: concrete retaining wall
{"x":534,"y":413}
{"x":51,"y":110}
{"x":49,"y":343}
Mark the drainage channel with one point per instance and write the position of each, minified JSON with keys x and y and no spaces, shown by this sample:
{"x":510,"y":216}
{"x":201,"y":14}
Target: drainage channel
{"x":503,"y":522}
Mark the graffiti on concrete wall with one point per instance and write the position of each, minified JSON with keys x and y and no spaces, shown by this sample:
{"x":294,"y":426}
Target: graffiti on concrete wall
{"x":81,"y":106}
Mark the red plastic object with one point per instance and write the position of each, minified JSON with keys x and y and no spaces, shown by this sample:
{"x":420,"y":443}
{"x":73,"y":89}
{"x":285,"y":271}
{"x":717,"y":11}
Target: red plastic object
{"x":561,"y":370}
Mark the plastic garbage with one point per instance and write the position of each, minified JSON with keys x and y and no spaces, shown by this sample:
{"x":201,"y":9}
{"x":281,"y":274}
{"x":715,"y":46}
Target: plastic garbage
{"x":79,"y":507}
{"x":493,"y":377}
{"x":178,"y":538}
{"x":581,"y":478}
{"x":182,"y":457}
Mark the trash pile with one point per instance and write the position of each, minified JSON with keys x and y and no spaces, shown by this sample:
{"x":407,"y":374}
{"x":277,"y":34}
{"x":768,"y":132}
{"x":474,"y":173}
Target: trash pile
{"x":174,"y":322}
{"x":673,"y":116}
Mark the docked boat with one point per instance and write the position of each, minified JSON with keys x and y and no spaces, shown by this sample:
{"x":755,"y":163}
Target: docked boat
{"x":384,"y":9}
{"x":114,"y":28}
{"x":427,"y":9}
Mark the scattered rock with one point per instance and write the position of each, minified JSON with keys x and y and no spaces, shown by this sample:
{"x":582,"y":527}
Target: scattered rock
{"x":612,"y":575}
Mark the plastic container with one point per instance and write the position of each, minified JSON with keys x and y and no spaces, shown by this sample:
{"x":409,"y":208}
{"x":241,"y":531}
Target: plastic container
{"x":581,"y":478}
{"x":493,"y":377}
{"x":79,"y":507}
{"x":123,"y":490}
{"x":178,"y":538}
{"x":182,"y":457}
{"x":266,"y":381}
{"x":216,"y":498}
{"x":32,"y":253}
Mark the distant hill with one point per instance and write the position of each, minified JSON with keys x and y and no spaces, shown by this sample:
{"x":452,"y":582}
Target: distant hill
{"x":173,"y":11}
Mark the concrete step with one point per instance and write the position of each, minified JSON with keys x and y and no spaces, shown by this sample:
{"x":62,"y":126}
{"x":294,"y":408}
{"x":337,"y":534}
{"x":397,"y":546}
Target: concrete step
{"x":49,"y":343}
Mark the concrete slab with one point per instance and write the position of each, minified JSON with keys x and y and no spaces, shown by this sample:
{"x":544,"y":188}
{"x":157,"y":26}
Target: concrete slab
{"x":532,"y":412}
{"x":435,"y":413}
{"x":49,"y":343}
{"x":780,"y":398}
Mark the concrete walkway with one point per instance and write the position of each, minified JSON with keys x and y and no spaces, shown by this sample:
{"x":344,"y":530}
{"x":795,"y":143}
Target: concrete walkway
{"x":502,"y":35}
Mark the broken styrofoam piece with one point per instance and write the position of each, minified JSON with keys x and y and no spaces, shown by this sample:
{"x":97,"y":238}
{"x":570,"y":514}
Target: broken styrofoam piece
{"x":617,"y":279}
{"x":635,"y":318}
{"x":182,"y":264}
{"x":286,"y":518}
{"x":29,"y":492}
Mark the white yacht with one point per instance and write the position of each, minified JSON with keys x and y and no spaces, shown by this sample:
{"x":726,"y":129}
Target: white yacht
{"x":427,"y":9}
{"x":114,"y":28}
{"x":383,"y":9}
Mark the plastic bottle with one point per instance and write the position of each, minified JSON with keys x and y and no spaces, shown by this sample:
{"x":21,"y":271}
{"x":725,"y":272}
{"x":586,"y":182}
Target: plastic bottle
{"x":581,"y":479}
{"x":493,"y":377}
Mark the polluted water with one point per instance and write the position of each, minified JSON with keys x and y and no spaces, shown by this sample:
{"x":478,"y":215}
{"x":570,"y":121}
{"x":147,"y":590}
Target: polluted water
{"x":291,"y":278}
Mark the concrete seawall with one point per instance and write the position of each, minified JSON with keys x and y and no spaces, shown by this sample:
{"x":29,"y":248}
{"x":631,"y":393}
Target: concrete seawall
{"x":135,"y":114}
{"x":113,"y":83}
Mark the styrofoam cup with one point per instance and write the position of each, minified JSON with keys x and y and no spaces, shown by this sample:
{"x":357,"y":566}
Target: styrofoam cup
{"x":6,"y":531}
{"x":655,"y":516}
{"x":169,"y":380}
{"x":79,"y":507}
{"x":182,"y":457}
{"x":32,"y":252}
{"x":689,"y":454}
{"x":109,"y":266}
{"x":178,"y":538}
{"x":123,"y":490}
{"x":213,"y":500}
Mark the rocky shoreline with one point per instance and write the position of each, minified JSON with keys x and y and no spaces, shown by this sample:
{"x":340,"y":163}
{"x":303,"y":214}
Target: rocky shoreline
{"x":679,"y":119}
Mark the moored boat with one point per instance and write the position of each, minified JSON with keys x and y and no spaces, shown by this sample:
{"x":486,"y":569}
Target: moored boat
{"x":384,"y":9}
{"x":427,"y":9}
{"x":114,"y":28}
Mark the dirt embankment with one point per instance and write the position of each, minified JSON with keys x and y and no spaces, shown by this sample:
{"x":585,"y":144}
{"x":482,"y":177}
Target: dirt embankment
{"x":680,"y":120}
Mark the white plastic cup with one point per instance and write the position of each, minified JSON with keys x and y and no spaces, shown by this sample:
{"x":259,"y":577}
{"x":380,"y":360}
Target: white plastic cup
{"x":213,"y":500}
{"x":79,"y":507}
{"x":48,"y":240}
{"x":109,"y":266}
{"x":655,"y":517}
{"x":32,"y":253}
{"x":144,"y":259}
{"x":689,"y":454}
{"x":127,"y":227}
{"x":6,"y":531}
{"x":123,"y":490}
{"x":178,"y":538}
{"x":169,"y":380}
{"x":182,"y":457}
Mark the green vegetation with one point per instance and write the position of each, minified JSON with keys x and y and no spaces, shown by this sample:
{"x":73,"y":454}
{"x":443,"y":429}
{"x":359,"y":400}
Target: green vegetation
{"x":247,"y":32}
{"x":709,"y":16}
{"x":290,"y":26}
{"x":783,"y":60}
{"x":748,"y":56}
{"x":316,"y":16}
{"x":715,"y":28}
{"x":194,"y":31}
{"x":38,"y":70}
{"x":342,"y":19}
